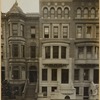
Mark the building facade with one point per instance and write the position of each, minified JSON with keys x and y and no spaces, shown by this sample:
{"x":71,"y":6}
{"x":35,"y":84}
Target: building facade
{"x":57,"y":49}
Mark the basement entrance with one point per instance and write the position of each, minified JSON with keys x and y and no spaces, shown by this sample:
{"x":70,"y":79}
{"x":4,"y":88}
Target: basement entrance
{"x":33,"y":74}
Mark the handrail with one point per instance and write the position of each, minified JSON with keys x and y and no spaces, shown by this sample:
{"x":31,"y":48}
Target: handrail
{"x":36,"y":89}
{"x":24,"y":90}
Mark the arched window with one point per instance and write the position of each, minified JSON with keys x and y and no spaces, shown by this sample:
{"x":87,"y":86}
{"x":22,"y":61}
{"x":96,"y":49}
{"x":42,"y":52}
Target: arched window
{"x":86,"y":13}
{"x":45,"y":13}
{"x":79,"y":13}
{"x":52,"y":12}
{"x":66,"y":12}
{"x":93,"y":13}
{"x":67,"y":97}
{"x":59,"y":11}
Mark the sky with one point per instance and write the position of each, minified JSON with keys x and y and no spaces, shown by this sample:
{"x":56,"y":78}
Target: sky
{"x":28,"y":6}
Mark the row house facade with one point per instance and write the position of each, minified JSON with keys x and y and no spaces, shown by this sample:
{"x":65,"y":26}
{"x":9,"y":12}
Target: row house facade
{"x":57,"y":49}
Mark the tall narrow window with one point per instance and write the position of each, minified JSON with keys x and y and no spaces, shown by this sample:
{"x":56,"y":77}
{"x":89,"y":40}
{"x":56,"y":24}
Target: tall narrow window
{"x":86,"y":93}
{"x":85,"y":13}
{"x":44,"y":75}
{"x":9,"y":29}
{"x":59,"y":12}
{"x":96,"y":52}
{"x":76,"y":74}
{"x":86,"y":74}
{"x":65,"y":31}
{"x":63,"y":52}
{"x":23,"y":51}
{"x":77,"y":90}
{"x":79,"y":31}
{"x":52,"y":12}
{"x":54,"y":75}
{"x":88,"y":32}
{"x":55,"y":51}
{"x":2,"y":32}
{"x":66,"y":12}
{"x":15,"y":50}
{"x":44,"y":91}
{"x":33,"y":51}
{"x":33,"y":32}
{"x":80,"y":52}
{"x":89,"y":52}
{"x":55,"y":31}
{"x":96,"y":76}
{"x":15,"y":29}
{"x":45,"y":13}
{"x":97,"y":31}
{"x":47,"y":52}
{"x":64,"y":76}
{"x":46,"y":32}
{"x":22,"y":30}
{"x":15,"y":73}
{"x":79,"y":13}
{"x":93,"y":13}
{"x":97,"y":13}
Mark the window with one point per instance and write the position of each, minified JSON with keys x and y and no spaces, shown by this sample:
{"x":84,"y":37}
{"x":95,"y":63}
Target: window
{"x":46,"y":32}
{"x":86,"y":93}
{"x":88,"y":32}
{"x":33,"y":32}
{"x":96,"y":52}
{"x":65,"y":31}
{"x":44,"y":91}
{"x":45,"y":13}
{"x":15,"y":50}
{"x":23,"y":51}
{"x":79,"y":13}
{"x":66,"y":12}
{"x":79,"y":31}
{"x":96,"y":76}
{"x":47,"y":52}
{"x":86,"y":74}
{"x":22,"y":30}
{"x":65,"y":76}
{"x":63,"y":52}
{"x":77,"y":90}
{"x":89,"y":52}
{"x":80,"y":52}
{"x":59,"y":12}
{"x":15,"y":73}
{"x":53,"y":89}
{"x":97,"y":13}
{"x":33,"y":51}
{"x":52,"y":12}
{"x":15,"y":29}
{"x":9,"y":50}
{"x":55,"y":52}
{"x":97,"y":31}
{"x":44,"y":74}
{"x":54,"y":75}
{"x":93,"y":14}
{"x":2,"y":32}
{"x":9,"y":29}
{"x":76,"y":74}
{"x":55,"y":31}
{"x":85,"y":13}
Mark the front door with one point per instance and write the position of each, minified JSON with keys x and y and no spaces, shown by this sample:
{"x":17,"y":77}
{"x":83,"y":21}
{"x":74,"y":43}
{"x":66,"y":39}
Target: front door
{"x":33,"y":76}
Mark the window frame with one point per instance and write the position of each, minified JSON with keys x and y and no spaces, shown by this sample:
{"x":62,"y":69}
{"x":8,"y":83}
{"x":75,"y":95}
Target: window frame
{"x":14,"y":31}
{"x":33,"y":31}
{"x":77,"y":75}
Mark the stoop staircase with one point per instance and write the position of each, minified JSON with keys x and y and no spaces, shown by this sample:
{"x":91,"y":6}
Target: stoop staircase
{"x":30,"y":93}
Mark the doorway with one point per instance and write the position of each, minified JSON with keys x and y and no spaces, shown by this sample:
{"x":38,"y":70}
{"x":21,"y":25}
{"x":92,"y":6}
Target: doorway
{"x":32,"y":74}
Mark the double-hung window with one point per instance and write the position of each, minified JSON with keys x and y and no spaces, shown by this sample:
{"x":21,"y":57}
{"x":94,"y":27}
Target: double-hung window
{"x":15,"y":29}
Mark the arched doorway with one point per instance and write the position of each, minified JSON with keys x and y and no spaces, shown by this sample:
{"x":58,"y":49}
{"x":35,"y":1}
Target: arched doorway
{"x":67,"y":98}
{"x":32,"y":74}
